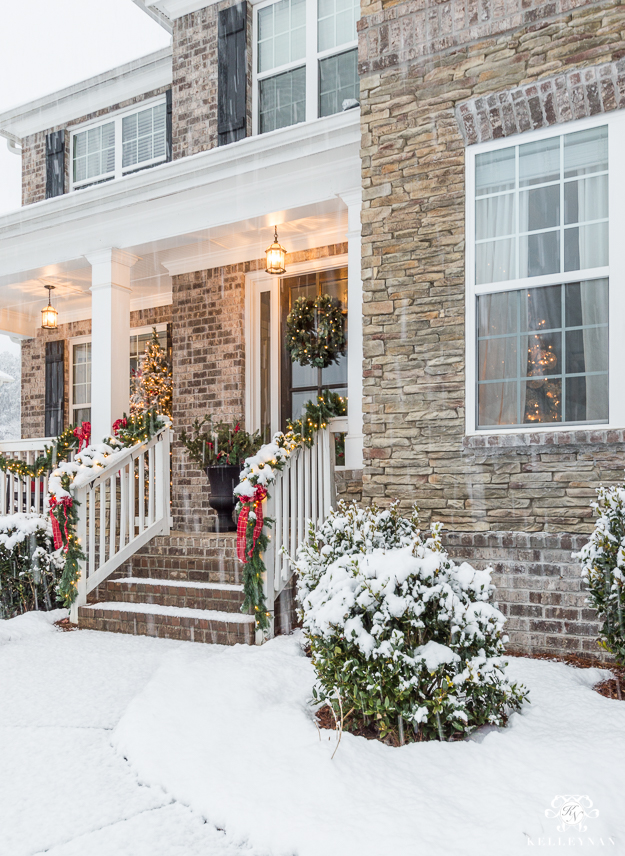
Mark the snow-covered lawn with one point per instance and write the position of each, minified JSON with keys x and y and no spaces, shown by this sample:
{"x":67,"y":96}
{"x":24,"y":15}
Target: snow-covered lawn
{"x":112,"y":744}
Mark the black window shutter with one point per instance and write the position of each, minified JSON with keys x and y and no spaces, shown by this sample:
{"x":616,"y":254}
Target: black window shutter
{"x":232,"y":76}
{"x":168,"y":128}
{"x":55,"y":387}
{"x":55,"y":164}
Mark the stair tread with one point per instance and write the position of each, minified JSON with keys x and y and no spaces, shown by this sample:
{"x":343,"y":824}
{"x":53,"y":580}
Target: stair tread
{"x":154,"y":581}
{"x":180,"y":612}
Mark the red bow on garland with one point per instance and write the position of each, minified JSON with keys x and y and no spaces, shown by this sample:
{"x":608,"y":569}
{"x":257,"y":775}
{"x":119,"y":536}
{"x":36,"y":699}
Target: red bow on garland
{"x":65,"y":504}
{"x":83,"y":434}
{"x":257,"y":501}
{"x":118,"y":425}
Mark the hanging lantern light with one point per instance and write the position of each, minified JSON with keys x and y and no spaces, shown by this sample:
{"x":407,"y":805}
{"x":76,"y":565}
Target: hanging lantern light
{"x":276,"y":256}
{"x":49,"y":315}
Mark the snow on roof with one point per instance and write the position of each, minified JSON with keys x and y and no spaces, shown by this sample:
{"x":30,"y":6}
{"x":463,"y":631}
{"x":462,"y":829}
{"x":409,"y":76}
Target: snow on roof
{"x":6,"y":378}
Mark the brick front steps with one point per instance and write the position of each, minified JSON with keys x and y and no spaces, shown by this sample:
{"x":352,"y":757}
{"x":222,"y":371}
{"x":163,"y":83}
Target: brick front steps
{"x":179,"y":586}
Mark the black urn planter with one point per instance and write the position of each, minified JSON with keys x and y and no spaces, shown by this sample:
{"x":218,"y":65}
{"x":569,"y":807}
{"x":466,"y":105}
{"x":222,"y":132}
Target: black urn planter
{"x":223,"y":481}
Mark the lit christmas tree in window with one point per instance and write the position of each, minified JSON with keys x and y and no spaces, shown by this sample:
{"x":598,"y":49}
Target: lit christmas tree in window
{"x":151,"y":385}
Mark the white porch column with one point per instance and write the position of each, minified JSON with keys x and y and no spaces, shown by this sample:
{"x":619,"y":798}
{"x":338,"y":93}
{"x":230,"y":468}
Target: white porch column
{"x":354,"y":439}
{"x":110,"y":338}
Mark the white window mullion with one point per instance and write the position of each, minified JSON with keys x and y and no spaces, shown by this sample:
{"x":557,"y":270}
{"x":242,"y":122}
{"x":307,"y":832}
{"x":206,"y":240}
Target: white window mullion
{"x":312,"y":73}
{"x":118,"y":147}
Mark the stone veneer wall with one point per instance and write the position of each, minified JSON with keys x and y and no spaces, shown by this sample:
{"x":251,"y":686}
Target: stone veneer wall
{"x":34,"y":150}
{"x":436,"y":77}
{"x":434,"y":74}
{"x":208,"y":338}
{"x":195,"y":71}
{"x":34,"y":365}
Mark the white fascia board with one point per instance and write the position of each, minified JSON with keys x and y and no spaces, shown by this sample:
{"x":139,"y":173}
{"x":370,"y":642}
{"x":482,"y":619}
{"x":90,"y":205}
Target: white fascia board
{"x":154,"y":13}
{"x":176,"y":8}
{"x":276,"y":172}
{"x":97,"y":93}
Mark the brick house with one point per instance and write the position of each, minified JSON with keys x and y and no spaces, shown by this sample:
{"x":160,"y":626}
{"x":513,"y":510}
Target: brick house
{"x":462,"y":213}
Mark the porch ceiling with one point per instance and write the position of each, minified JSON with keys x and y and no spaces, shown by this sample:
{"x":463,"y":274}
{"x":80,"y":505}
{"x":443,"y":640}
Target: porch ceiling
{"x":208,"y":210}
{"x":23,"y":297}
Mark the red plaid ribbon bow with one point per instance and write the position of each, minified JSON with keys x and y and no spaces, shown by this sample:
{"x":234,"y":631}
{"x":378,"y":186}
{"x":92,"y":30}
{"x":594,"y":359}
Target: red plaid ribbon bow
{"x":257,"y":501}
{"x":65,"y":504}
{"x":83,"y":434}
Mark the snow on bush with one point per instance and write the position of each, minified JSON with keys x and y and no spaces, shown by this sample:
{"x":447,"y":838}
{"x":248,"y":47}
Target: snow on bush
{"x":603,"y":568}
{"x":405,"y":638}
{"x":29,"y":565}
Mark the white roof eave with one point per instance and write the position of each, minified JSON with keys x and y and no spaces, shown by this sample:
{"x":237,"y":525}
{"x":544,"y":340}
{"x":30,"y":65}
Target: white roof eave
{"x":88,"y":96}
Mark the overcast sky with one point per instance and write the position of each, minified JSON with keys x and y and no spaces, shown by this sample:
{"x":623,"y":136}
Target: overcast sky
{"x":45,"y":46}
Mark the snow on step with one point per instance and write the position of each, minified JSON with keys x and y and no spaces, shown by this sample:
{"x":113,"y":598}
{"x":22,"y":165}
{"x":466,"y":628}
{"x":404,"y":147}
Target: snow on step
{"x":180,"y":612}
{"x":152,"y":581}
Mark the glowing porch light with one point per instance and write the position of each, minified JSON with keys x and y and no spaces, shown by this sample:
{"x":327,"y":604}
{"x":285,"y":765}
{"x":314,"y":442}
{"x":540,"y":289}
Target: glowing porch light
{"x":276,"y":256}
{"x":49,"y":315}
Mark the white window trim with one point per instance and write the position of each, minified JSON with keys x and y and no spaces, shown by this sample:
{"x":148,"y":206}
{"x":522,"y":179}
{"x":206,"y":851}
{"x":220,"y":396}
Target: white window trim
{"x":78,"y":340}
{"x":310,"y":61}
{"x":615,"y":271}
{"x":256,"y":283}
{"x":81,"y":340}
{"x":116,"y":116}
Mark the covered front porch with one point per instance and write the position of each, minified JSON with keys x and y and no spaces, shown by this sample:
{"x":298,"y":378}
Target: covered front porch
{"x":181,"y":249}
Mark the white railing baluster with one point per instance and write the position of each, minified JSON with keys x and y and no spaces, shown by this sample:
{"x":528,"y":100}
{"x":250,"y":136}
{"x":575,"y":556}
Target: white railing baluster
{"x":141,"y":488}
{"x":90,"y":499}
{"x":131,"y":499}
{"x":277,"y":526}
{"x":151,"y":486}
{"x":113,"y":516}
{"x":102,"y":524}
{"x":123,"y":513}
{"x":294,"y":511}
{"x":285,"y":516}
{"x":328,"y":473}
{"x":301,"y":520}
{"x":81,"y":535}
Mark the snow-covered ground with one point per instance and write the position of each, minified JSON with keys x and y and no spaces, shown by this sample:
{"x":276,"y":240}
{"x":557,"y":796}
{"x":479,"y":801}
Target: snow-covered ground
{"x":112,"y":744}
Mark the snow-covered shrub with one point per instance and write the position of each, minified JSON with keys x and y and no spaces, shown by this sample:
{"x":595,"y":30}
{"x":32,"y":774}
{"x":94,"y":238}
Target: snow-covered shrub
{"x":29,"y":566}
{"x":603,"y":568}
{"x":406,"y":638}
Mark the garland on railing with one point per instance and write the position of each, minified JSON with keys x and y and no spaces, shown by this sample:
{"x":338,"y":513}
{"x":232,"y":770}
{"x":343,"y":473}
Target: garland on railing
{"x":258,"y":472}
{"x":63,"y":506}
{"x":58,"y":452}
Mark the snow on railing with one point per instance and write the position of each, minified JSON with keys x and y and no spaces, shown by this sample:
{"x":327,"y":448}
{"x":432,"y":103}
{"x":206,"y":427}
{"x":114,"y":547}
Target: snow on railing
{"x":121,"y":508}
{"x":23,"y":493}
{"x":303,"y":491}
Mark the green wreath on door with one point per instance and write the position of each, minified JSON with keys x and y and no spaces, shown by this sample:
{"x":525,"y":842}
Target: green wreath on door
{"x":315,"y":331}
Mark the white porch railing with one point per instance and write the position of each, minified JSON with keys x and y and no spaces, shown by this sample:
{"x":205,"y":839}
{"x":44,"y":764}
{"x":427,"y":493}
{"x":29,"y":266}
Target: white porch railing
{"x":304,"y":490}
{"x":18,"y":493}
{"x":121,"y":508}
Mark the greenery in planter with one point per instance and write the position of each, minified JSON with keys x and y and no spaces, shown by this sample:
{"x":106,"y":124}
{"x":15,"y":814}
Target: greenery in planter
{"x":30,"y":569}
{"x":405,"y":638}
{"x":219,"y":444}
{"x":603,"y":568}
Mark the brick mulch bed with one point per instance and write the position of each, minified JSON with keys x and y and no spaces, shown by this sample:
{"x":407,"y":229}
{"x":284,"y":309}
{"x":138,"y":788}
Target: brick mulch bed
{"x":609,"y":688}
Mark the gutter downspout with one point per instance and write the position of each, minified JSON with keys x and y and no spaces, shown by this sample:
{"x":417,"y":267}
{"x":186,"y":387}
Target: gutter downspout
{"x":14,"y":144}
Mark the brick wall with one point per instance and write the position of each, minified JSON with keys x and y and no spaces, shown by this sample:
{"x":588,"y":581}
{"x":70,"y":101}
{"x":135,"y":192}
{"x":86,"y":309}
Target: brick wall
{"x":427,"y":68}
{"x":34,"y":365}
{"x":195,"y":71}
{"x":538,"y":589}
{"x":34,"y":150}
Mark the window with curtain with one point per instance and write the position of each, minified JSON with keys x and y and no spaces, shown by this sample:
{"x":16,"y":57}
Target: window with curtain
{"x":306,"y":62}
{"x":541,"y":220}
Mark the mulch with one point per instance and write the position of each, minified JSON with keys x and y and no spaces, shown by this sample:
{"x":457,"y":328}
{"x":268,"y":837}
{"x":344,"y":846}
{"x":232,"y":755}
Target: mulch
{"x":65,"y":624}
{"x":609,"y":688}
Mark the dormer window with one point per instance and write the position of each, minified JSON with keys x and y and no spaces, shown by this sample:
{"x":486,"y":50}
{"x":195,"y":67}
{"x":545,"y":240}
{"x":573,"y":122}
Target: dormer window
{"x":119,"y":145}
{"x":306,"y":63}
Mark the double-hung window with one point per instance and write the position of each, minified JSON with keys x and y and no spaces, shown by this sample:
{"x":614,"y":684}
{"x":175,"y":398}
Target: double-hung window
{"x":543,"y":299}
{"x":306,"y":62}
{"x":119,"y":145}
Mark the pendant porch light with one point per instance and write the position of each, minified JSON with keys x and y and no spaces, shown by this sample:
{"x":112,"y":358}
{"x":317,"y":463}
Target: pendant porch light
{"x":276,"y":256}
{"x":49,"y":314}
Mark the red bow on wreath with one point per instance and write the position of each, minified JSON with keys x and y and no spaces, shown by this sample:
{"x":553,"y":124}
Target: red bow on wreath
{"x":257,"y":501}
{"x":83,"y":434}
{"x":64,"y":504}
